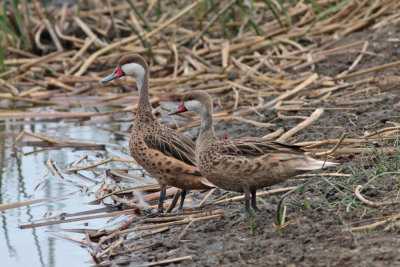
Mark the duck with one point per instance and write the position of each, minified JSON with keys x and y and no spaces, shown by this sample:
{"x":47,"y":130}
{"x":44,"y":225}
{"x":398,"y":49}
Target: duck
{"x":242,"y":164}
{"x":165,"y":154}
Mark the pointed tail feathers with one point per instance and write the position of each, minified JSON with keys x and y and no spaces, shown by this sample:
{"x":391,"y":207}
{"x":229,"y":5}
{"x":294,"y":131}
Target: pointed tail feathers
{"x":310,"y":164}
{"x":206,"y":182}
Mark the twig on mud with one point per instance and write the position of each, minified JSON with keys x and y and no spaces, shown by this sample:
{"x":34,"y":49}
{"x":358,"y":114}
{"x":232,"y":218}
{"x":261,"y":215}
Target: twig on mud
{"x":334,"y":148}
{"x":128,"y":222}
{"x":110,"y":248}
{"x":127,"y":203}
{"x":184,"y":230}
{"x":128,"y":251}
{"x":396,"y":128}
{"x":373,"y":69}
{"x":157,"y":231}
{"x":336,"y":49}
{"x":163,"y":262}
{"x":206,"y":197}
{"x":376,"y":224}
{"x":356,"y":61}
{"x":371,"y":203}
{"x":313,"y":117}
{"x":273,"y":134}
{"x":123,"y":226}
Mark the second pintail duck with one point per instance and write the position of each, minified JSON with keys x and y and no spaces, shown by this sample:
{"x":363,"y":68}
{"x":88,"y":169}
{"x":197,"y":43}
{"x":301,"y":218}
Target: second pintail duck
{"x":166,"y":154}
{"x":243,"y":164}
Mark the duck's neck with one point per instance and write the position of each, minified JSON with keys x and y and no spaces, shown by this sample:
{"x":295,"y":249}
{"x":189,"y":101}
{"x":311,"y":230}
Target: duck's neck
{"x":206,"y":129}
{"x":145,"y":112}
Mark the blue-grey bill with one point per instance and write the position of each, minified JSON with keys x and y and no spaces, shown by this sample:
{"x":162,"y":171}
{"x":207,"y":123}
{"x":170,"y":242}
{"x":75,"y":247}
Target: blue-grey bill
{"x":181,"y":108}
{"x":108,"y":78}
{"x":173,"y":112}
{"x":116,"y":74}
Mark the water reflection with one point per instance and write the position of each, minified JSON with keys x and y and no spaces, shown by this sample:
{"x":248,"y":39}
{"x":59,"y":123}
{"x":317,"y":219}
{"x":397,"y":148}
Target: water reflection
{"x":27,"y":177}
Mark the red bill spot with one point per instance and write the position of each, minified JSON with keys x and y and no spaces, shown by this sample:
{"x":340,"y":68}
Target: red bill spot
{"x":181,"y":108}
{"x":119,"y":73}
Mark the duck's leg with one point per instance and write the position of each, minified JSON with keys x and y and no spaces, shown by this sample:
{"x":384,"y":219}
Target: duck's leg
{"x":161,"y":199}
{"x":244,"y":216}
{"x":254,"y":200}
{"x":246,"y":204}
{"x":183,"y":195}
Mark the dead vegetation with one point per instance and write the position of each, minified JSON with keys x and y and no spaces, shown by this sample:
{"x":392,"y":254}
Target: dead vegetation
{"x":253,"y":57}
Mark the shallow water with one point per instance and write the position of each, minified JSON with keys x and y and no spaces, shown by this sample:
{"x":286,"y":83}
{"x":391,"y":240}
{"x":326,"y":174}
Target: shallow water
{"x":26,"y":177}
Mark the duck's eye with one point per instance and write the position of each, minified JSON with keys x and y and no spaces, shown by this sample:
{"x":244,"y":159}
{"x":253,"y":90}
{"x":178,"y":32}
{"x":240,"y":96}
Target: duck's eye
{"x":181,"y":108}
{"x":119,"y":72}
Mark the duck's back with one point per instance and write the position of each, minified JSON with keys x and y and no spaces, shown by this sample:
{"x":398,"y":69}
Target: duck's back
{"x":252,"y":163}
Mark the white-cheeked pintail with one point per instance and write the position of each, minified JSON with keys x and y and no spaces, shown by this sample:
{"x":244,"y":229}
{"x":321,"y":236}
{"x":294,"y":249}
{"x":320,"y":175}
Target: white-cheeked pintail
{"x":166,"y":154}
{"x":243,"y":164}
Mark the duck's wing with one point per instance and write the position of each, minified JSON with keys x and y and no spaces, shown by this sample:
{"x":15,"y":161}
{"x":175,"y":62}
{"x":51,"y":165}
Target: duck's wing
{"x":254,"y":147}
{"x":173,"y":144}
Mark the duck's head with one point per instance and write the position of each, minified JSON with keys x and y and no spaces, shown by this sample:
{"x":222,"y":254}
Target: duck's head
{"x":197,"y":101}
{"x":131,"y":65}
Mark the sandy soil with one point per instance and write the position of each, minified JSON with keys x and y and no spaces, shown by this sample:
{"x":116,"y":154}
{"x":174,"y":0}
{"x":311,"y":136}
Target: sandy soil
{"x":317,"y":236}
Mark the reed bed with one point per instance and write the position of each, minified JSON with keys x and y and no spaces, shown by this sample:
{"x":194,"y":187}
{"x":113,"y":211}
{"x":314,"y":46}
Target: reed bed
{"x":252,"y":57}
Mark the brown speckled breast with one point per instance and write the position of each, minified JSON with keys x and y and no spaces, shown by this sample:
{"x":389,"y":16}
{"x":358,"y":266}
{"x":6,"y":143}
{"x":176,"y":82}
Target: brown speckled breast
{"x":166,"y":169}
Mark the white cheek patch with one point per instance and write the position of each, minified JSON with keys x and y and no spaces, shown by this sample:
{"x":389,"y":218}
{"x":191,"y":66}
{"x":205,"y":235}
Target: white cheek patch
{"x":135,"y":70}
{"x":193,"y":105}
